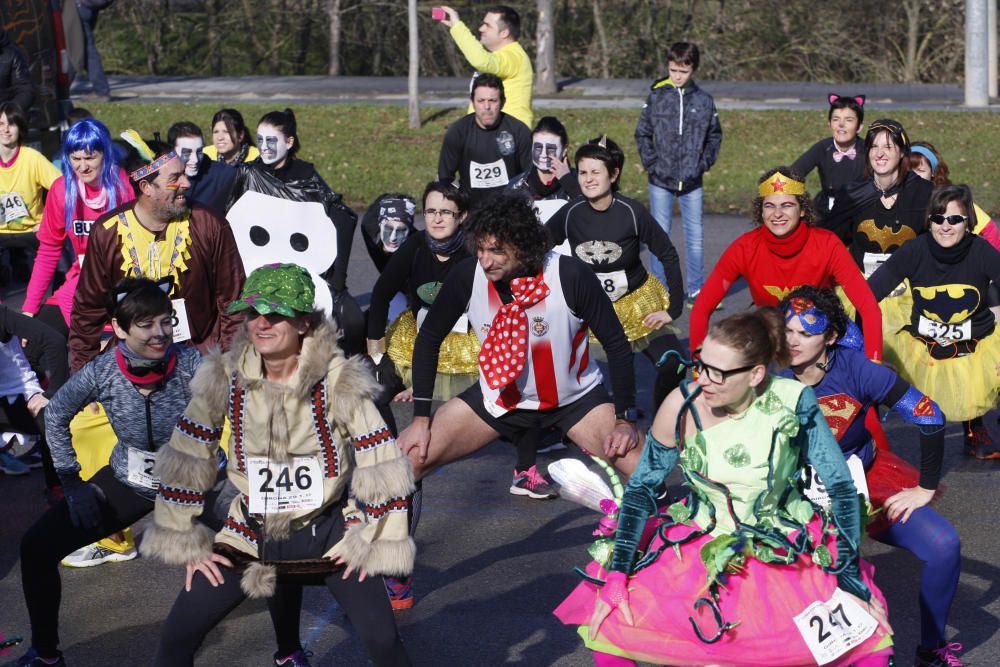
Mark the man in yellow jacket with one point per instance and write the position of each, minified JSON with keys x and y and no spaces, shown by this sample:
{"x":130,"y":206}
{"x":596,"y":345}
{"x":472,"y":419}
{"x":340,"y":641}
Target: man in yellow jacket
{"x":497,"y":51}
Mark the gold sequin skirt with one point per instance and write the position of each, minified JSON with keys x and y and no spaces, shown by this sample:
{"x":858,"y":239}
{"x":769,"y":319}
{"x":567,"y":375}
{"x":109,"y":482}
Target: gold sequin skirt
{"x":632,"y":309}
{"x":458,"y":360}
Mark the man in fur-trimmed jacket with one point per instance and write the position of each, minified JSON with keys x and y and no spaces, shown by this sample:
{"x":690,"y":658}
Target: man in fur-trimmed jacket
{"x":322,"y":485}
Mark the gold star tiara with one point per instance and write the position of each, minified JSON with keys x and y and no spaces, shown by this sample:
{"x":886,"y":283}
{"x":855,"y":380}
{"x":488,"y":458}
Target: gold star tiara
{"x":779,"y":184}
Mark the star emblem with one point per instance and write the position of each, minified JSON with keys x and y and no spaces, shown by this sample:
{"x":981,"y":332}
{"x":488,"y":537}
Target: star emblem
{"x":778,"y":184}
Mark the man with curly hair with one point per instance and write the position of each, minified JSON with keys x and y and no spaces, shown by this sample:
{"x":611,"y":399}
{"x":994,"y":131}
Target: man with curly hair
{"x":531,"y":309}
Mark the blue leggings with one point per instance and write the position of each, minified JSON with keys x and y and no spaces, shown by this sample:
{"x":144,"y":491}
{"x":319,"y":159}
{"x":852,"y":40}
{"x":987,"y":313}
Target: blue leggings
{"x":932,"y":539}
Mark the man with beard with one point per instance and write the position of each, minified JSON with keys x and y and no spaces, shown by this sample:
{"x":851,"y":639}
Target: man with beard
{"x":487,"y":148}
{"x":158,"y":235}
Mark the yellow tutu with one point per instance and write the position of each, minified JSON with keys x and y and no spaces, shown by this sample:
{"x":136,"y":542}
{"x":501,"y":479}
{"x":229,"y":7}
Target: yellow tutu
{"x":458,"y":360}
{"x":965,"y":387}
{"x":895,"y":314}
{"x":632,"y":309}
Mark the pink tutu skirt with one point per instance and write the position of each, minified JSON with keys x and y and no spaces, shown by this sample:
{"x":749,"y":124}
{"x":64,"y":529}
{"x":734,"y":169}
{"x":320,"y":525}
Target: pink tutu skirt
{"x":763,"y":598}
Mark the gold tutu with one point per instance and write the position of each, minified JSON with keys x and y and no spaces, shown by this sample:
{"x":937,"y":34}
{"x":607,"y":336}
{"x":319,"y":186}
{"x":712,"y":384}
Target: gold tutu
{"x":632,"y":309}
{"x":965,"y":387}
{"x":458,"y":360}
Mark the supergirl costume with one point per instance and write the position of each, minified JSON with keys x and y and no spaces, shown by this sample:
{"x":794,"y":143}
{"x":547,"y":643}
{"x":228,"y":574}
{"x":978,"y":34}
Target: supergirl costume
{"x":950,"y":348}
{"x":771,"y":552}
{"x":416,"y":268}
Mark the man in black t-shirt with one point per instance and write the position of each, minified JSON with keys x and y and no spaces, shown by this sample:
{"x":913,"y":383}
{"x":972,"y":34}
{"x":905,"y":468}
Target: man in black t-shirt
{"x":487,"y":148}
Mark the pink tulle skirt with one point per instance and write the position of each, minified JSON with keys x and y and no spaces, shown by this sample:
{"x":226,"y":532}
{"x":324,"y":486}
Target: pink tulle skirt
{"x":763,"y":598}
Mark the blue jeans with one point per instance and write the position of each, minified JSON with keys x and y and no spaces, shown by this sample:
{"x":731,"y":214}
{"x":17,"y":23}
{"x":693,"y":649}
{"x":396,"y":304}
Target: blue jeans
{"x":661,"y":205}
{"x":95,"y":69}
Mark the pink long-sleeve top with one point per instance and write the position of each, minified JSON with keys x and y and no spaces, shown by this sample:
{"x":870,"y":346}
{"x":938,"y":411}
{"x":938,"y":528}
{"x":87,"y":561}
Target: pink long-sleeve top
{"x":52,"y":235}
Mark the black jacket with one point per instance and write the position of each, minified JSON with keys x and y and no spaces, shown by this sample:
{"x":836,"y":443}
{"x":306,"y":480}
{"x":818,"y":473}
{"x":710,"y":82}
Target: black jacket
{"x":15,"y":78}
{"x":678,"y":135}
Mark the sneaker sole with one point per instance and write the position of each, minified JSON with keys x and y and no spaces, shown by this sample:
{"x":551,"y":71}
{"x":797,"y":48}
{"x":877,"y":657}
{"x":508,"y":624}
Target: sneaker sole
{"x":110,"y":558}
{"x":16,"y":473}
{"x":518,"y":491}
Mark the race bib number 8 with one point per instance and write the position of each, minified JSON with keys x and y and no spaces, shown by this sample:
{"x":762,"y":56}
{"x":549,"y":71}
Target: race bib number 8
{"x":492,"y":175}
{"x":284,"y":487}
{"x":14,"y":207}
{"x":182,"y":327}
{"x":832,"y":628}
{"x":614,"y":284}
{"x":944,"y":333}
{"x":140,"y":468}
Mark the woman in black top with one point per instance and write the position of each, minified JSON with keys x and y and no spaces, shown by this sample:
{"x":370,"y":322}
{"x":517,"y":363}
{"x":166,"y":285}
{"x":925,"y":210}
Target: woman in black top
{"x":418,"y":268}
{"x":950,"y":350}
{"x":606,"y":230}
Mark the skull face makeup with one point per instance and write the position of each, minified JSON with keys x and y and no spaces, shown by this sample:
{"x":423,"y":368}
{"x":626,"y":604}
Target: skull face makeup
{"x":273,"y":145}
{"x":189,"y":150}
{"x":392,"y":233}
{"x":546,"y":150}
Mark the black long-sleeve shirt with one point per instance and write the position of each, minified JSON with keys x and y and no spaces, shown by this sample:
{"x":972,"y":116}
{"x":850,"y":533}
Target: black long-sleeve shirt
{"x":485,"y":160}
{"x":833,"y":175}
{"x":584,"y":296}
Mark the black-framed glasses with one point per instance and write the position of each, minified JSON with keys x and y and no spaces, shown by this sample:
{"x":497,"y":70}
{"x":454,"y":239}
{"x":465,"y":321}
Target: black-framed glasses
{"x":718,"y":375}
{"x":445,"y":213}
{"x":953,"y":220}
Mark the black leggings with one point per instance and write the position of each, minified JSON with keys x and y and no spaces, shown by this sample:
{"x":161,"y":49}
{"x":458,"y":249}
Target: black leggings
{"x":199,"y":610}
{"x":53,"y":537}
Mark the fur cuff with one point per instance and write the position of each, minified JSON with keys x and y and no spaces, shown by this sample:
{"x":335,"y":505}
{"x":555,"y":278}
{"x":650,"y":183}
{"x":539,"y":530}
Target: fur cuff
{"x":175,"y":547}
{"x":389,"y":479}
{"x":176,"y":468}
{"x":211,"y":383}
{"x":259,"y":580}
{"x":386,"y":557}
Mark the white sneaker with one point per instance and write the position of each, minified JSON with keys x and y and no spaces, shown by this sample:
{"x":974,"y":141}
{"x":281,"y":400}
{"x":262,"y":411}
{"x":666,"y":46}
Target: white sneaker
{"x":94,"y":554}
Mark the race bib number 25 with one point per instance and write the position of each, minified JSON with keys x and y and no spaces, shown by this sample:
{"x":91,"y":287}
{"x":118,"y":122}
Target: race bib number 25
{"x":284,"y":487}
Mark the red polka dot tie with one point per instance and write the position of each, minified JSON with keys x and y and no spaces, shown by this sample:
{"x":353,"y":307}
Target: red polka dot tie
{"x":505,"y":351}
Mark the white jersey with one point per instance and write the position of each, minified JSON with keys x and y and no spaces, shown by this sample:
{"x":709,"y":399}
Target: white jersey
{"x":559,"y":369}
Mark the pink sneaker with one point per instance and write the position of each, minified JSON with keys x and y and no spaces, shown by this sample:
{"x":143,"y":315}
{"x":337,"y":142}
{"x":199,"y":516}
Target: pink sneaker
{"x":530,"y":483}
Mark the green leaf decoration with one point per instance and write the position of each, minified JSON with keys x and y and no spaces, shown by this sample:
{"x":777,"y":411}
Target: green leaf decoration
{"x":428,"y":292}
{"x":601,"y":551}
{"x":821,"y":556}
{"x":680,"y":513}
{"x":737,"y":456}
{"x":769,"y":403}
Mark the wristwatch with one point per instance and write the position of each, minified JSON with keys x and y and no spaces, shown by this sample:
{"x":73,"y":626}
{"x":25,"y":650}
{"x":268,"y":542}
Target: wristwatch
{"x":630,"y":415}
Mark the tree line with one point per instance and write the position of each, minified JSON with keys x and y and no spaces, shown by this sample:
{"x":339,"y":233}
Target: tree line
{"x":765,"y":40}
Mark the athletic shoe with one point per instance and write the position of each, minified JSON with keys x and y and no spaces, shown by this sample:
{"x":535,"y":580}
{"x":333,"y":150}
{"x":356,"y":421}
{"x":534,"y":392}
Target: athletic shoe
{"x":400,"y":590}
{"x":94,"y":554}
{"x":33,"y":457}
{"x":298,"y":659}
{"x":32,"y":659}
{"x":942,"y":656}
{"x":9,"y":465}
{"x":530,"y":483}
{"x":979,"y":445}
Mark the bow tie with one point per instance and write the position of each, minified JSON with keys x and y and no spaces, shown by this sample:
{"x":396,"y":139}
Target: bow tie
{"x":840,"y":155}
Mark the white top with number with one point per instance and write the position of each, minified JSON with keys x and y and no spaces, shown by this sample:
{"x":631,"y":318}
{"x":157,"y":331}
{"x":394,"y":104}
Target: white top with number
{"x":832,"y":628}
{"x":284,"y":487}
{"x":945,"y":334}
{"x":13,"y":207}
{"x":140,"y":468}
{"x":491,"y":175}
{"x":614,"y":284}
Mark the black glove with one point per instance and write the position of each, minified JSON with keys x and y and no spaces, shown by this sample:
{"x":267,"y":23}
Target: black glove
{"x":84,"y":500}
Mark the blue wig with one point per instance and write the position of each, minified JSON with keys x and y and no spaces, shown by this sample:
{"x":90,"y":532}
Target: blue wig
{"x":91,"y":135}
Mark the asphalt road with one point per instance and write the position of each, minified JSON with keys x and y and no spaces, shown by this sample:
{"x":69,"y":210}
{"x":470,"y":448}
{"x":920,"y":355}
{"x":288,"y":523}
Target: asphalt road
{"x":490,"y":566}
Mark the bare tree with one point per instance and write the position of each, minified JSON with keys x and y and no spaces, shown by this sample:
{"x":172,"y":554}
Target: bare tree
{"x":412,"y":87}
{"x":602,"y":40}
{"x":545,"y":45}
{"x":333,"y":16}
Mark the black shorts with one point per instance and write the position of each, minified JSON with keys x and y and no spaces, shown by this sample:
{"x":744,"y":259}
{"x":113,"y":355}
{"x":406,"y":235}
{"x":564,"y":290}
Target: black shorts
{"x":515,"y":422}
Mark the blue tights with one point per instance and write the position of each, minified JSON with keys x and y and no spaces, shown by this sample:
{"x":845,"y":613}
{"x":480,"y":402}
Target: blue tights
{"x":932,"y":539}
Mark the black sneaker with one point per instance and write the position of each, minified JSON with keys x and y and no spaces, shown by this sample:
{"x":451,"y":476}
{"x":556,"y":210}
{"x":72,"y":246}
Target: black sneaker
{"x":298,"y":659}
{"x":32,"y":659}
{"x":530,"y":483}
{"x":942,"y":656}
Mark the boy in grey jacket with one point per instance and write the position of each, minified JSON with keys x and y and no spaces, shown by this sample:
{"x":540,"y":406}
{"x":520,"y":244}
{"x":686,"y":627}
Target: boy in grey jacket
{"x":679,"y":136}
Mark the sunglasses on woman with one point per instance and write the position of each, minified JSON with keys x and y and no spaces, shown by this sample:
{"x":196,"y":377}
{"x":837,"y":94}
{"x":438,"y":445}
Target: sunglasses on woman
{"x":953,"y":220}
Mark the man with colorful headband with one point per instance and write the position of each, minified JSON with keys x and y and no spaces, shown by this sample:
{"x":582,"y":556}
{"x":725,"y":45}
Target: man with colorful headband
{"x":159,"y":234}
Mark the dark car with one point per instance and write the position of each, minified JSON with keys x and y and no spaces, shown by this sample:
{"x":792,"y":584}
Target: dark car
{"x":36,"y":27}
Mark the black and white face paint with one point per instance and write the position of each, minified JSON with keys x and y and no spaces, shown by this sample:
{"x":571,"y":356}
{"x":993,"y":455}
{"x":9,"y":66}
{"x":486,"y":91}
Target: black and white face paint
{"x":272,"y":143}
{"x":546,"y":150}
{"x":189,"y":150}
{"x":392,"y":233}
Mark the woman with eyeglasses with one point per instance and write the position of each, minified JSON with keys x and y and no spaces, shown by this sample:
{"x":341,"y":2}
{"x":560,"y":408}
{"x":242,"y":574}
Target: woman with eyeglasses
{"x":950,"y":349}
{"x":728,"y":568}
{"x":784,"y":251}
{"x":846,"y":385}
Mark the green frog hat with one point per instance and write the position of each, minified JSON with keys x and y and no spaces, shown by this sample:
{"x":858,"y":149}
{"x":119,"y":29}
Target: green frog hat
{"x":286,"y":289}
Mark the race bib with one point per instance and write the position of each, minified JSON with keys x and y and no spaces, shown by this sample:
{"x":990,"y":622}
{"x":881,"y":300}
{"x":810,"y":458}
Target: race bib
{"x":14,"y":207}
{"x":832,"y":628}
{"x":816,"y":491}
{"x":872,"y":260}
{"x":140,"y":468}
{"x":944,"y":334}
{"x":284,"y":487}
{"x":182,"y":328}
{"x":79,"y":259}
{"x":492,"y":175}
{"x":614,"y":284}
{"x":461,"y":326}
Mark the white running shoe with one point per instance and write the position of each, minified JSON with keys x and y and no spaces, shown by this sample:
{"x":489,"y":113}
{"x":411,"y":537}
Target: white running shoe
{"x":94,"y":554}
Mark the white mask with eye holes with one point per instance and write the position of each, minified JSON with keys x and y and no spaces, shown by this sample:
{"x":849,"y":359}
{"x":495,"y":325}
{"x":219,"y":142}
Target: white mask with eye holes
{"x":546,"y":150}
{"x":189,"y":150}
{"x":272,"y":143}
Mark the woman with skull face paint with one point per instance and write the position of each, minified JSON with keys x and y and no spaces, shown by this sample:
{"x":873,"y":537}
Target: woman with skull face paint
{"x":279,"y":173}
{"x":606,"y":229}
{"x":846,"y":384}
{"x":145,"y":373}
{"x":551,"y":178}
{"x":386,"y":225}
{"x":950,"y":349}
{"x":92,"y":183}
